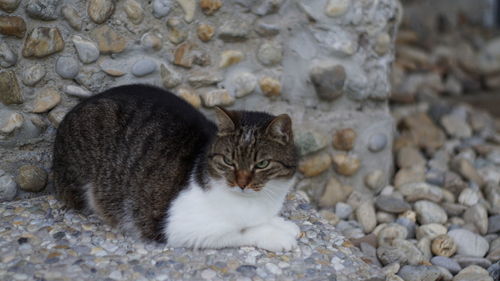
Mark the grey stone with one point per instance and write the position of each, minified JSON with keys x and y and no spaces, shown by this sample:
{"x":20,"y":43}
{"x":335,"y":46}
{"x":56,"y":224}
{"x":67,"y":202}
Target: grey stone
{"x":67,"y":67}
{"x":9,"y":6}
{"x":100,"y":10}
{"x":413,"y":255}
{"x":266,"y":7}
{"x":144,"y":67}
{"x":161,"y":8}
{"x":234,"y":30}
{"x":8,"y":187}
{"x":478,"y":216}
{"x":447,"y":263}
{"x":494,"y":224}
{"x":391,"y":204}
{"x":328,"y":81}
{"x":429,"y":212}
{"x":76,"y":91}
{"x":420,"y":273}
{"x":456,"y":127}
{"x":365,"y":215}
{"x":466,"y":261}
{"x":390,"y":254}
{"x":377,"y":142}
{"x":270,"y":53}
{"x":7,"y":57}
{"x":170,"y":78}
{"x":33,"y":74}
{"x":244,"y":84}
{"x":309,"y":140}
{"x":43,"y":9}
{"x":390,"y":233}
{"x":266,"y":29}
{"x":86,"y":49}
{"x":204,"y":79}
{"x":31,"y":178}
{"x":343,"y":210}
{"x":431,"y":230}
{"x":469,"y":243}
{"x":494,"y":271}
{"x":72,"y":16}
{"x":421,"y":190}
{"x":409,"y":225}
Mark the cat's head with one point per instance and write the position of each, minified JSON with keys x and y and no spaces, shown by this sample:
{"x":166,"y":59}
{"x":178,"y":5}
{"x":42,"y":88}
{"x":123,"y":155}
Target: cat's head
{"x":252,"y":148}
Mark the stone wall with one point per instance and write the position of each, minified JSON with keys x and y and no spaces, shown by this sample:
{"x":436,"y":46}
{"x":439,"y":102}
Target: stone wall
{"x":325,"y":62}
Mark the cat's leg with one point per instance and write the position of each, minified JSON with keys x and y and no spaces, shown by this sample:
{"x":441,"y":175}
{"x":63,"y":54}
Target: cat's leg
{"x":288,"y":226}
{"x":270,"y":237}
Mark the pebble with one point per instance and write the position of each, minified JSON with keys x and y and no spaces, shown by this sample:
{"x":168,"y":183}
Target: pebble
{"x":266,"y":29}
{"x":456,"y":127}
{"x":12,"y":26}
{"x":443,"y":245}
{"x":183,"y":56}
{"x":108,"y":40}
{"x":10,"y":93}
{"x":421,"y":191}
{"x":375,"y":180}
{"x":270,"y":53}
{"x":161,"y":8}
{"x":410,"y":156}
{"x":274,"y":269}
{"x":478,"y":216}
{"x":151,"y":42}
{"x":244,"y":84}
{"x":191,"y":97}
{"x":344,"y":139}
{"x":346,"y":165}
{"x":383,"y":43}
{"x":343,"y":210}
{"x":8,"y":188}
{"x":473,"y":273}
{"x":270,"y":87}
{"x":234,"y":30}
{"x":328,"y":81}
{"x":72,"y":16}
{"x":334,"y":193}
{"x":10,"y":121}
{"x":465,"y":261}
{"x":469,"y":243}
{"x":420,"y":273}
{"x":87,"y":50}
{"x":494,"y":271}
{"x":230,"y":57}
{"x":43,"y":9}
{"x":169,"y":77}
{"x":429,"y":212}
{"x":430,"y":231}
{"x":208,"y":274}
{"x":465,"y":168}
{"x":9,"y":6}
{"x":77,"y":91}
{"x":389,"y":254}
{"x":45,"y":100}
{"x":31,"y":178}
{"x":391,"y":232}
{"x":144,"y":67}
{"x":494,"y":224}
{"x":336,"y":8}
{"x":100,"y":10}
{"x":392,"y":204}
{"x":217,"y":97}
{"x":424,"y":132}
{"x":56,"y":115}
{"x":314,"y":165}
{"x":67,"y":67}
{"x":111,"y":67}
{"x":42,"y":42}
{"x":177,"y":31}
{"x":189,"y":7}
{"x":468,"y":197}
{"x":447,"y":263}
{"x":7,"y":57}
{"x":205,"y":32}
{"x":377,"y":142}
{"x":365,"y":215}
{"x":410,"y":225}
{"x":209,"y":7}
{"x":134,"y":10}
{"x":203,"y":79}
{"x":413,"y":255}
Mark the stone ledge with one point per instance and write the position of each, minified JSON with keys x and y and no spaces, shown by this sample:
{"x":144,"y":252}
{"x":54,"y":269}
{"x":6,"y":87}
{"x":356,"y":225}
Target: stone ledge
{"x":39,"y":240}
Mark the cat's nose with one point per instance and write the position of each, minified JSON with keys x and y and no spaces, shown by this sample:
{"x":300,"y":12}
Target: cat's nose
{"x":243,"y":179}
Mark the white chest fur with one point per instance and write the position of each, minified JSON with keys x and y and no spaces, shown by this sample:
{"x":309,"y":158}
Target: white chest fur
{"x":221,"y":216}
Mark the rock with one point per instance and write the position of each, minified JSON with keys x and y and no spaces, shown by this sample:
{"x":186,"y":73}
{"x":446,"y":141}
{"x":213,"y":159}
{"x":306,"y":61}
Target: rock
{"x":456,"y":127}
{"x":425,"y":133}
{"x":383,"y":43}
{"x":10,"y":121}
{"x":469,"y":243}
{"x":336,"y":8}
{"x":209,"y":7}
{"x":230,"y":57}
{"x":10,"y":93}
{"x":8,"y":188}
{"x":191,"y":97}
{"x":33,"y":74}
{"x":72,"y":16}
{"x":466,"y":261}
{"x":443,"y":245}
{"x":314,"y":165}
{"x":330,"y":217}
{"x":177,"y":30}
{"x":494,"y":271}
{"x":429,"y":212}
{"x":9,"y":6}
{"x":478,"y":216}
{"x":391,"y":204}
{"x":421,"y":191}
{"x":151,"y":42}
{"x":412,"y":175}
{"x":266,"y":7}
{"x":46,"y":99}
{"x":309,"y":141}
{"x":270,"y":87}
{"x":447,"y":263}
{"x":67,"y":67}
{"x":383,"y":217}
{"x":270,"y":53}
{"x":100,"y":10}
{"x":365,"y":215}
{"x":377,"y":142}
{"x":468,"y":197}
{"x":389,"y":254}
{"x":169,"y":77}
{"x":266,"y":29}
{"x":473,"y":273}
{"x":217,"y":97}
{"x":205,"y":32}
{"x":420,"y":273}
{"x":346,"y":165}
{"x":161,"y":8}
{"x":410,"y":156}
{"x":7,"y":57}
{"x":76,"y":91}
{"x":43,"y":9}
{"x":390,"y":233}
{"x":56,"y":115}
{"x":143,"y":67}
{"x":42,"y":42}
{"x":424,"y":245}
{"x":204,"y":79}
{"x":328,"y":81}
{"x":12,"y":26}
{"x":334,"y":193}
{"x":189,"y":7}
{"x":465,"y":168}
{"x":244,"y":84}
{"x":412,"y":253}
{"x":344,"y":139}
{"x":134,"y":11}
{"x":111,"y":67}
{"x":31,"y":178}
{"x":234,"y":30}
{"x":183,"y":55}
{"x":494,"y":224}
{"x":393,"y":277}
{"x":343,"y":210}
{"x":409,"y":225}
{"x":108,"y":40}
{"x":375,"y":180}
{"x":430,"y":231}
{"x":87,"y":50}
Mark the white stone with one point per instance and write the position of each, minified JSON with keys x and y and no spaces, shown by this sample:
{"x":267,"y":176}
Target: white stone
{"x":429,"y":212}
{"x":468,"y":197}
{"x":33,"y":74}
{"x":144,"y":67}
{"x":208,"y":274}
{"x":244,"y":84}
{"x":76,"y":91}
{"x":189,"y":7}
{"x":9,"y":121}
{"x":8,"y":187}
{"x":469,"y":243}
{"x":87,"y":50}
{"x":7,"y":57}
{"x":335,"y":8}
{"x":67,"y":67}
{"x":216,"y":97}
{"x":161,"y":8}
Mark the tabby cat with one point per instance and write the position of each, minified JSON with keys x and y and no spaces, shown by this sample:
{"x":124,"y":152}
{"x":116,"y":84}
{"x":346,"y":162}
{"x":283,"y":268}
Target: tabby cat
{"x":146,"y":161}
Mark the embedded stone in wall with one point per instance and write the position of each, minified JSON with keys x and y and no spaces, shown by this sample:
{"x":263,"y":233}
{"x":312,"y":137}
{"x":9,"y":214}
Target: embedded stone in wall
{"x":189,"y":7}
{"x":144,"y":67}
{"x":328,"y":81}
{"x":10,"y":121}
{"x":9,"y":6}
{"x":244,"y":84}
{"x":43,"y":9}
{"x":151,"y":42}
{"x":67,"y":67}
{"x":42,"y":42}
{"x":346,"y":165}
{"x":344,"y":139}
{"x":31,"y":178}
{"x":134,"y":11}
{"x":230,"y":57}
{"x":270,"y":86}
{"x":314,"y":165}
{"x":205,"y":32}
{"x":108,"y":40}
{"x":204,"y":79}
{"x":177,"y":31}
{"x":161,"y":8}
{"x":183,"y":56}
{"x":45,"y":100}
{"x":100,"y":10}
{"x":72,"y":16}
{"x":7,"y":57}
{"x":217,"y":97}
{"x":87,"y":50}
{"x":337,"y":8}
{"x":209,"y":7}
{"x":270,"y":53}
{"x":77,"y":91}
{"x":33,"y":74}
{"x":234,"y":30}
{"x":12,"y":26}
{"x":10,"y":93}
{"x":309,"y":141}
{"x":170,"y":78}
{"x":191,"y":97}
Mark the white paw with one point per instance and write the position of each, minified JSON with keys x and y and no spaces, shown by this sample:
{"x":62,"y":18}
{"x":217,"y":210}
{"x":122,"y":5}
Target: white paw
{"x":287,"y":226}
{"x":273,"y":238}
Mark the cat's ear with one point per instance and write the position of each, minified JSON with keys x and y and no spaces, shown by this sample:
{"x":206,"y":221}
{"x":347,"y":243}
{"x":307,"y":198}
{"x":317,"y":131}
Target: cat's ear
{"x":280,"y":129}
{"x":224,"y":120}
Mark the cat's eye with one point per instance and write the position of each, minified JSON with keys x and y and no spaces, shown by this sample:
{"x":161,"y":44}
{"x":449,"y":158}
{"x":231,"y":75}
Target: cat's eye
{"x":227,"y":161}
{"x":262,"y":164}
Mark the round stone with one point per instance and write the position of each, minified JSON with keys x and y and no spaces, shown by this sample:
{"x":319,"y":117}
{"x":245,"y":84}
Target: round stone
{"x":33,"y":74}
{"x":344,"y":139}
{"x":314,"y":165}
{"x":244,"y":84}
{"x":76,"y":91}
{"x":382,"y":43}
{"x":270,"y":53}
{"x":478,"y":216}
{"x":209,"y":7}
{"x":134,"y":11}
{"x":392,"y":204}
{"x":31,"y":178}
{"x":100,"y":10}
{"x":346,"y":165}
{"x":12,"y":26}
{"x":177,"y":31}
{"x":391,"y":232}
{"x":375,"y":180}
{"x":67,"y":67}
{"x":151,"y":42}
{"x":429,"y":212}
{"x":447,"y":263}
{"x":87,"y":50}
{"x":8,"y":188}
{"x":469,"y":243}
{"x":46,"y":99}
{"x":144,"y":67}
{"x":161,"y":8}
{"x":10,"y":121}
{"x":420,"y":273}
{"x":430,"y":231}
{"x":72,"y":16}
{"x":343,"y":210}
{"x":309,"y":140}
{"x":9,"y":6}
{"x":43,"y":9}
{"x":7,"y":57}
{"x":377,"y":142}
{"x":443,"y":245}
{"x":270,"y":86}
{"x":205,"y":32}
{"x":328,"y":81}
{"x":336,"y":8}
{"x":365,"y":215}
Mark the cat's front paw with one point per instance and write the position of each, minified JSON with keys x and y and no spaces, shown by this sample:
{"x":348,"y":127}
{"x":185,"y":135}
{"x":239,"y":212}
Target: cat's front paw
{"x":287,"y":226}
{"x":273,"y":238}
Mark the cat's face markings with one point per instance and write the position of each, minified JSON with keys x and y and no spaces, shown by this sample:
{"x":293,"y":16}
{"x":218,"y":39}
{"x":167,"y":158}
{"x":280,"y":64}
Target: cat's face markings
{"x":252,"y":148}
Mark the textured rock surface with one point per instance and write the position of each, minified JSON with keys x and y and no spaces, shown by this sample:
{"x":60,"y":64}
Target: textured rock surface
{"x":42,"y":241}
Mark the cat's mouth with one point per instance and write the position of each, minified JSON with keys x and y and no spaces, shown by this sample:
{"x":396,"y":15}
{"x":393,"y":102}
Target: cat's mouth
{"x":250,"y":189}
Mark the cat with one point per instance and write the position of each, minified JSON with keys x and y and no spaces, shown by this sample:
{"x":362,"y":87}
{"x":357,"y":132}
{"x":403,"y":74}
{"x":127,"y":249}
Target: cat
{"x":148,"y":162}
